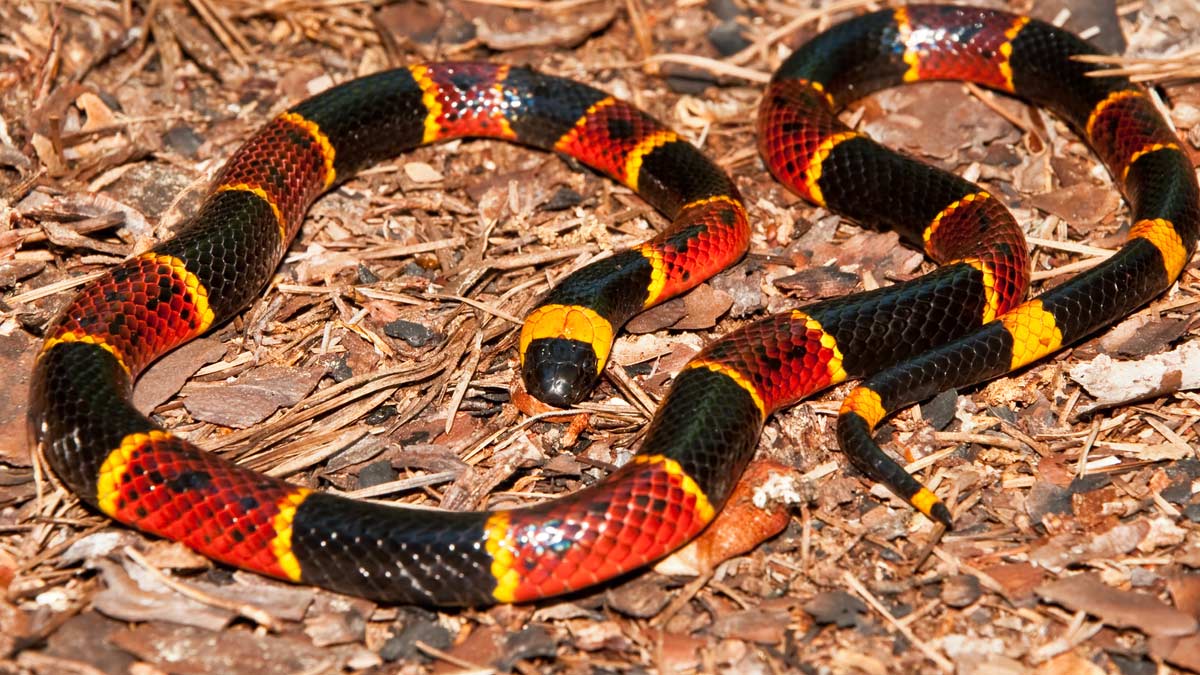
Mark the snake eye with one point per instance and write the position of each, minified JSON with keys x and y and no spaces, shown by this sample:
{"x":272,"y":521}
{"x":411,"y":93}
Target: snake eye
{"x":559,"y":371}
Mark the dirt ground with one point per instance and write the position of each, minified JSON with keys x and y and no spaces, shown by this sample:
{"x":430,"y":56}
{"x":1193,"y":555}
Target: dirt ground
{"x":381,"y":361}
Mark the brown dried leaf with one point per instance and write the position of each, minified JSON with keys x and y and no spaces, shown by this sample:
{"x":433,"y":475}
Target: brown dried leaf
{"x":641,"y":598}
{"x":481,"y":647}
{"x":819,"y":282}
{"x":1142,"y":335}
{"x":1082,"y":205}
{"x":1070,"y":548}
{"x":639,"y":348}
{"x":335,"y":628}
{"x":252,"y":397}
{"x":17,"y":351}
{"x":935,"y":120}
{"x":595,"y":635}
{"x":14,"y":625}
{"x":87,"y":634}
{"x":703,"y":306}
{"x":1185,"y":591}
{"x":680,"y":653}
{"x":1183,"y":652}
{"x":657,"y":318}
{"x":1094,"y":507}
{"x":753,"y":625}
{"x":165,"y":378}
{"x":423,"y":23}
{"x":520,"y":30}
{"x":1054,"y":471}
{"x":1018,"y":581}
{"x":1118,"y":608}
{"x":194,"y":651}
{"x":1069,"y":663}
{"x":145,"y":599}
{"x":879,"y":253}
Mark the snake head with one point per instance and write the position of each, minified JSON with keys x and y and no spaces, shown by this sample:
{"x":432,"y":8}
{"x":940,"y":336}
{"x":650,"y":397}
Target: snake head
{"x":560,"y":371}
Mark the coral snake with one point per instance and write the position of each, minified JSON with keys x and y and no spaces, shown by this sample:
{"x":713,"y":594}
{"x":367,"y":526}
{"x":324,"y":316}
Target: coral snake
{"x":961,"y":324}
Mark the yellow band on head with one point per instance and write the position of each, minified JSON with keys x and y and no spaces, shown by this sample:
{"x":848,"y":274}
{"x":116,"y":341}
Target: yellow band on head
{"x":569,"y":322}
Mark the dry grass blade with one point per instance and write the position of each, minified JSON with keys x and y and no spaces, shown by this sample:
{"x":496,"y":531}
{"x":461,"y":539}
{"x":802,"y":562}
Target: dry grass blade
{"x":229,"y":36}
{"x":54,"y":288}
{"x":761,"y":45}
{"x":464,"y":381}
{"x":1181,"y":66}
{"x":637,"y":19}
{"x":713,"y":66}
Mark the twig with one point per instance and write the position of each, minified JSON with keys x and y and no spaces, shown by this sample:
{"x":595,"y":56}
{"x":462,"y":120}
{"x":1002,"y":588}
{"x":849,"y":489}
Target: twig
{"x":746,"y":55}
{"x":1081,"y":469}
{"x":468,"y":372}
{"x":637,"y":19}
{"x":1071,"y":247}
{"x":681,"y":600}
{"x":713,"y":66}
{"x":402,"y":485}
{"x":482,"y":306}
{"x":987,"y":99}
{"x":473,"y":668}
{"x":255,"y":614}
{"x":981,"y":439}
{"x":866,"y":595}
{"x":54,"y":288}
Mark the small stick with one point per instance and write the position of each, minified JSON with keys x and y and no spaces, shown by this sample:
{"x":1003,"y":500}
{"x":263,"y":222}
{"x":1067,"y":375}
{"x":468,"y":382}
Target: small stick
{"x":928,"y":651}
{"x":255,"y":614}
{"x":473,"y":668}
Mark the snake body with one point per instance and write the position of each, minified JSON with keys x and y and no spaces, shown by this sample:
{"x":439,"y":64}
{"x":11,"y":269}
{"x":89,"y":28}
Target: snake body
{"x":960,"y":324}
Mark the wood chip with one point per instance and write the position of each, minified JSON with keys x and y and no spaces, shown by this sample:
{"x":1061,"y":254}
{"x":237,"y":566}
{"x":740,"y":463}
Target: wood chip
{"x":1119,"y":608}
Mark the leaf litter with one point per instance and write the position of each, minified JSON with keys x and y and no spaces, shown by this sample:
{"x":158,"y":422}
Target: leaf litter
{"x":1074,"y":483}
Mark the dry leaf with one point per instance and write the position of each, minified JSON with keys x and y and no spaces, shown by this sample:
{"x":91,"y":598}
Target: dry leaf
{"x":1118,"y":608}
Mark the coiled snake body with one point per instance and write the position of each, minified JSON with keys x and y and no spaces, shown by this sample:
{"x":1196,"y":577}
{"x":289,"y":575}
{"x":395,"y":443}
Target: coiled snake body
{"x":961,"y":324}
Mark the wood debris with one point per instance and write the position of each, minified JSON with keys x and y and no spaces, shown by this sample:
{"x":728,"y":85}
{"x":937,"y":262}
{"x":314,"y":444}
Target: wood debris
{"x":381,"y":363}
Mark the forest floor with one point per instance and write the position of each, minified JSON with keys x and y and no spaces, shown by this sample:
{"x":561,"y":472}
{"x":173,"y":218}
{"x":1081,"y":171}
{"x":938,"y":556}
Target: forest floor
{"x":1075,"y":483}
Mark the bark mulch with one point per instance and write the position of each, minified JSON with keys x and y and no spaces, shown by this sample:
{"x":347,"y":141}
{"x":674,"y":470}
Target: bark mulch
{"x":381,"y":361}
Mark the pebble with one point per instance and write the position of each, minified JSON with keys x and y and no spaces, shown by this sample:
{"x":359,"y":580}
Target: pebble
{"x":376,"y":473}
{"x":727,"y":38}
{"x":414,"y":334}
